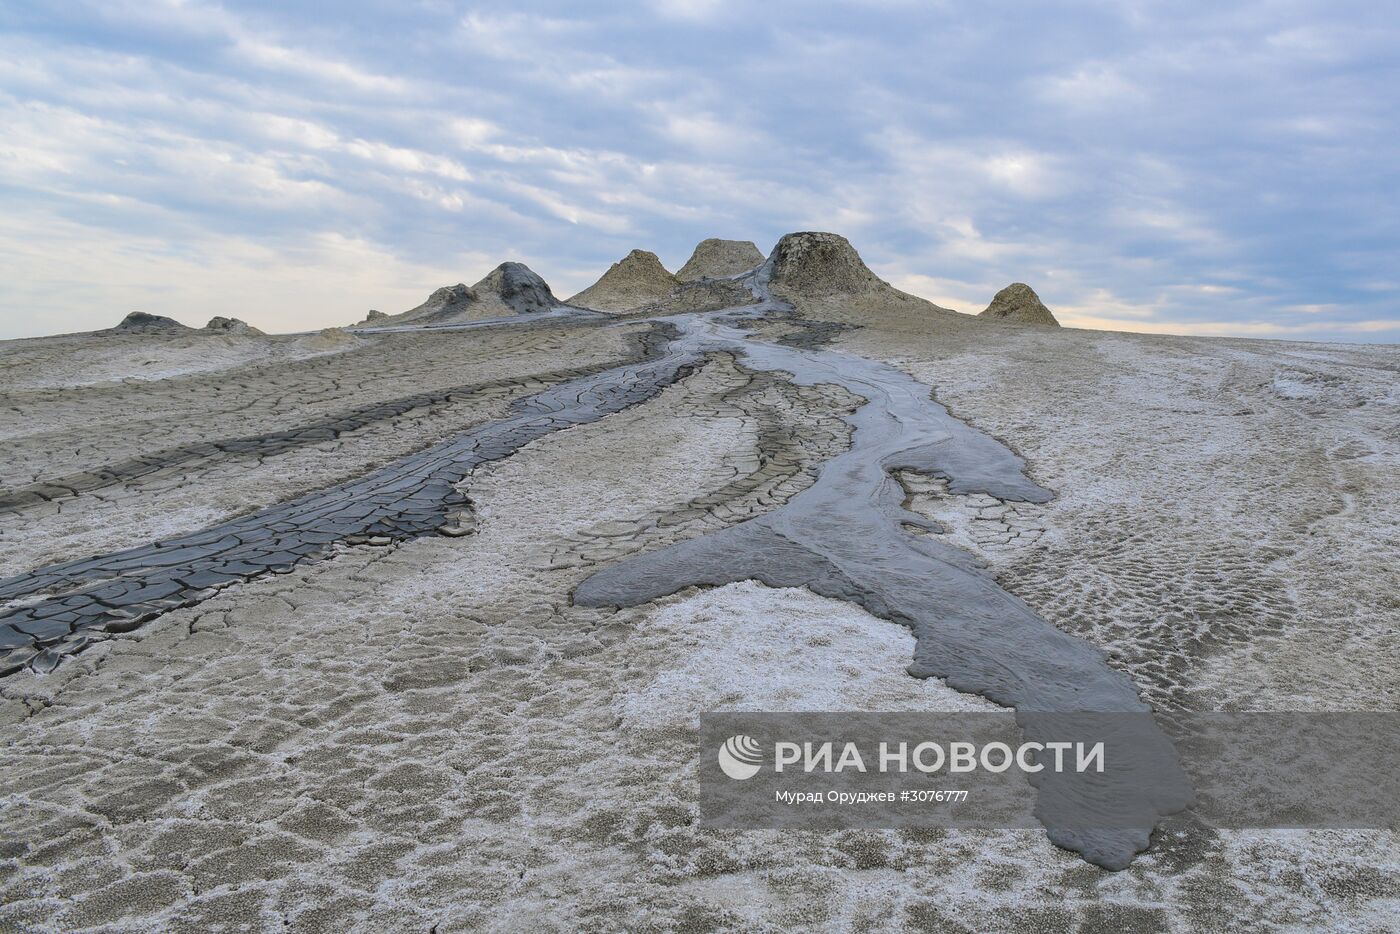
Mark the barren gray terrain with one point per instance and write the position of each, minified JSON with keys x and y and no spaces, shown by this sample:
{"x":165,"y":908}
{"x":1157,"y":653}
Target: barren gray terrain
{"x":394,"y":630}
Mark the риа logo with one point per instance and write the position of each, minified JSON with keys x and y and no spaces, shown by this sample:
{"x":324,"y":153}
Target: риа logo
{"x":740,"y":757}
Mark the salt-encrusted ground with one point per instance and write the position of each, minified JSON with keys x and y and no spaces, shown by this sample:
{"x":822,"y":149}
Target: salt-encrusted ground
{"x":429,"y":736}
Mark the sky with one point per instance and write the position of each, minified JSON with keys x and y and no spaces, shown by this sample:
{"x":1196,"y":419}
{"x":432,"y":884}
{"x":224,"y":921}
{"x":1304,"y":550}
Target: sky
{"x":1178,"y":167}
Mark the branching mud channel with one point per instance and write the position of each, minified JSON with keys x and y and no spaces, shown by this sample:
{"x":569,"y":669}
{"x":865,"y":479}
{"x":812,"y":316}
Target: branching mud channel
{"x":846,"y":536}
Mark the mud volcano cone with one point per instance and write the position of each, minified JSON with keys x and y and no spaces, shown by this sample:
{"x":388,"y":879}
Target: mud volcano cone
{"x":815,"y":263}
{"x":1019,"y":303}
{"x":509,"y":289}
{"x":517,"y":287}
{"x":636,"y":280}
{"x":714,"y":259}
{"x":139,"y":322}
{"x":221,"y":325}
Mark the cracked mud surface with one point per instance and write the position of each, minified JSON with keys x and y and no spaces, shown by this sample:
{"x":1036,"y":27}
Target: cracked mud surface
{"x":844,"y":536}
{"x":61,"y":609}
{"x":429,"y":733}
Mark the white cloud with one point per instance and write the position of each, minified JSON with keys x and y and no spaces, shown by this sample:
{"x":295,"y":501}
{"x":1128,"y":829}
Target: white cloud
{"x":1024,"y":173}
{"x":189,"y":19}
{"x":1165,"y":219}
{"x":955,"y":294}
{"x":706,"y":133}
{"x":1376,"y":326}
{"x":305,"y":133}
{"x":509,"y":35}
{"x":700,"y":131}
{"x":275,"y":57}
{"x":569,"y":211}
{"x":407,"y":160}
{"x":1093,"y":87}
{"x":695,"y":10}
{"x":959,"y":238}
{"x":1091,"y":308}
{"x":941,"y":188}
{"x":1314,"y":43}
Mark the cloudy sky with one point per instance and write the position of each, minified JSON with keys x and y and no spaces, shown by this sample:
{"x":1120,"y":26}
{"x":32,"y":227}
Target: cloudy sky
{"x":1186,"y":167}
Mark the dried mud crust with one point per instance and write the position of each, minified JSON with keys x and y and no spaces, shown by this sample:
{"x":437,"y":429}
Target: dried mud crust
{"x":429,"y":736}
{"x":134,"y":357}
{"x":325,"y":430}
{"x":793,"y":330}
{"x":47,"y":433}
{"x":111,"y":437}
{"x":205,"y":489}
{"x":258,"y":797}
{"x":1216,"y":599}
{"x":978,"y":522}
{"x":797,"y":429}
{"x":64,"y":608}
{"x":1218,"y":524}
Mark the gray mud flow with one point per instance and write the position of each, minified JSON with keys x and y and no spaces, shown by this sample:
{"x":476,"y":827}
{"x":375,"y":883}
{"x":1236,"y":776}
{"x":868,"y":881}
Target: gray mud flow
{"x":268,"y":444}
{"x":844,"y":537}
{"x":59,"y":610}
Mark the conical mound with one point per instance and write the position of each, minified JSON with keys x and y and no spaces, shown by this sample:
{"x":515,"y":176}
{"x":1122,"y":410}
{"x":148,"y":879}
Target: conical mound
{"x":221,"y":325}
{"x":509,"y":289}
{"x":825,"y":279}
{"x":715,"y":259}
{"x":1019,"y":303}
{"x":636,"y":280}
{"x":816,"y":263}
{"x":513,"y":289}
{"x":139,"y":322}
{"x":442,"y":305}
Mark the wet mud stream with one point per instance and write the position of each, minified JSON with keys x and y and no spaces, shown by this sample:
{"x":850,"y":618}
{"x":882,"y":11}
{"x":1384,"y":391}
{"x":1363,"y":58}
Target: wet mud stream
{"x":846,"y":536}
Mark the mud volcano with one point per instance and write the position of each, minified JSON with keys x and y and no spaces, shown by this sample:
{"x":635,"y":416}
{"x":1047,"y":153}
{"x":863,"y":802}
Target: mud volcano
{"x":636,"y":280}
{"x":714,"y":259}
{"x":1019,"y":304}
{"x":139,"y":322}
{"x":509,"y":289}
